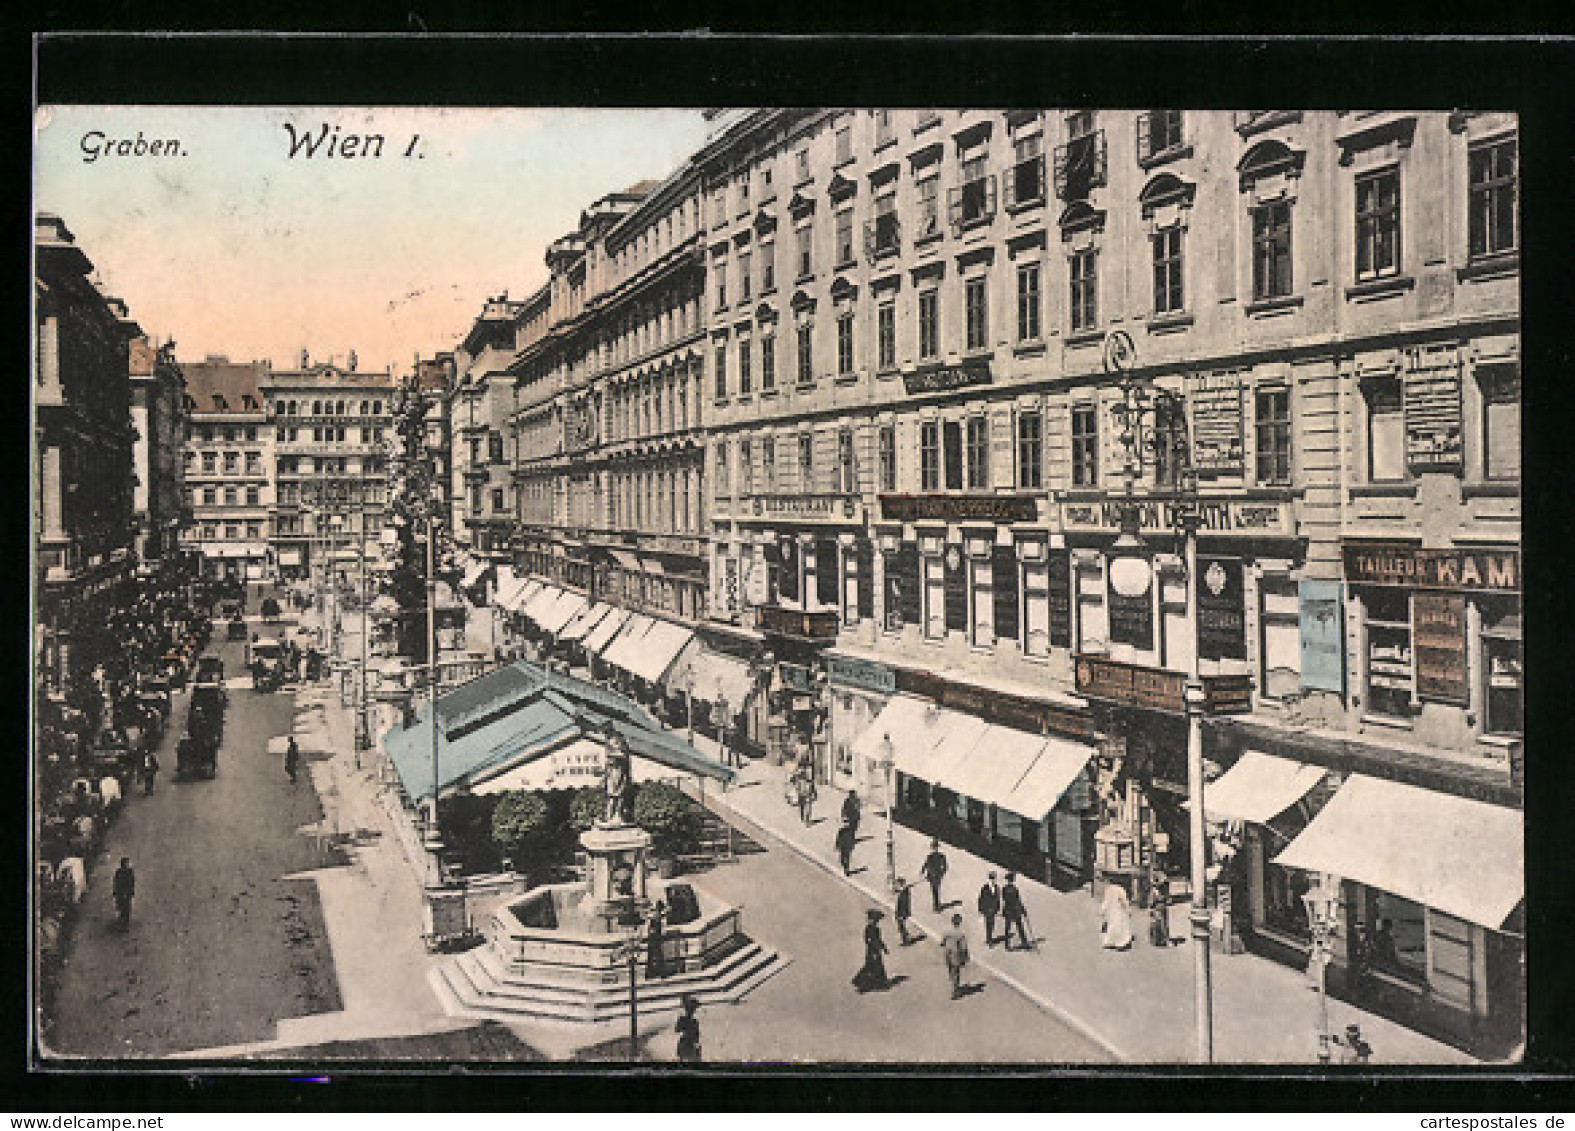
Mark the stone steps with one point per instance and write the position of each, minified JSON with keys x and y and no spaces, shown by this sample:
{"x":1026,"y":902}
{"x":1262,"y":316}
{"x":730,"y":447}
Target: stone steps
{"x":475,"y":984}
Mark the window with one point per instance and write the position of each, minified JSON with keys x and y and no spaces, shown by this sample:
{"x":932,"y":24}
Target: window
{"x":929,"y":456}
{"x":844,"y":144}
{"x":766,"y":192}
{"x":1493,"y":224}
{"x":721,"y":372}
{"x":806,"y":461}
{"x":1168,"y":295}
{"x":929,"y":324}
{"x":1279,"y":646}
{"x":1504,"y":711}
{"x":1272,"y":420}
{"x":231,"y":496}
{"x":746,"y":468}
{"x":845,"y":343}
{"x":883,"y":128}
{"x":497,"y":500}
{"x":801,"y":164}
{"x":1026,"y":184}
{"x":934,"y":597}
{"x":978,"y":318}
{"x":744,"y":278}
{"x":973,"y":201}
{"x":847,"y":471}
{"x":886,"y":334}
{"x":978,"y":453}
{"x":1385,"y":432}
{"x":1085,"y":290}
{"x":844,"y":237}
{"x":768,"y":363}
{"x":1378,"y":224}
{"x":768,"y":464}
{"x":252,"y":496}
{"x":1085,"y":446}
{"x":887,"y":445}
{"x":952,"y":453}
{"x":720,"y":266}
{"x":495,"y":447}
{"x":884,"y":236}
{"x":1030,"y":451}
{"x":745,"y":379}
{"x":1389,"y":679}
{"x":1271,"y":250}
{"x":768,"y":267}
{"x":232,"y":531}
{"x":806,"y":366}
{"x":806,"y":262}
{"x":929,"y":209}
{"x":231,"y":462}
{"x":1158,"y":133}
{"x":1500,"y":422}
{"x":1028,"y":302}
{"x":721,"y":468}
{"x":209,"y":496}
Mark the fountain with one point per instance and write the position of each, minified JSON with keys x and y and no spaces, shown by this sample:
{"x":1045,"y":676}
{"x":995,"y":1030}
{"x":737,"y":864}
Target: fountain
{"x":567,"y":951}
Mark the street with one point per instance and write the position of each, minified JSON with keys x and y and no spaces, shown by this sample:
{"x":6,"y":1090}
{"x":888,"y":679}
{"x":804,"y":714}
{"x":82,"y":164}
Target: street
{"x":222,"y":942}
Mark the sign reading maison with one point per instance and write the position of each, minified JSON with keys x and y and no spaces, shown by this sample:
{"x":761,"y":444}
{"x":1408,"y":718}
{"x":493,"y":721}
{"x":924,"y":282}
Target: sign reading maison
{"x":1377,"y":564}
{"x":1216,"y":515}
{"x":993,"y":508}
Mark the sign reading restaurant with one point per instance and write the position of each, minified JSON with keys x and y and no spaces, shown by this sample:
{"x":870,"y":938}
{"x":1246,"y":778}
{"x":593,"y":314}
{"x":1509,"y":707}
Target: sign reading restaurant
{"x":1390,"y":564}
{"x":838,"y":509}
{"x":1243,"y":516}
{"x":992,"y":508}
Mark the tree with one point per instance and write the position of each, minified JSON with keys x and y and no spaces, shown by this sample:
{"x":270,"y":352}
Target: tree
{"x":522,"y":826}
{"x":585,"y":806}
{"x":663,"y":811}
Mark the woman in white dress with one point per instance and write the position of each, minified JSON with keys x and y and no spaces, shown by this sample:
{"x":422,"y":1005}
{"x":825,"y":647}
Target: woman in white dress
{"x":1115,"y":918}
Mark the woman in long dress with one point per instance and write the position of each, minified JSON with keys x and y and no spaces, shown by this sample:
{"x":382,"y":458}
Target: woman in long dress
{"x":872,"y":975}
{"x":1115,"y":918}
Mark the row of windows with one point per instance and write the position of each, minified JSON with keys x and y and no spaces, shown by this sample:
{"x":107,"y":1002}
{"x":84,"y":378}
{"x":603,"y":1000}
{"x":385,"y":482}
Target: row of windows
{"x":283,"y":525}
{"x":231,"y":433}
{"x":327,"y":408}
{"x":329,"y":435}
{"x":231,"y":462}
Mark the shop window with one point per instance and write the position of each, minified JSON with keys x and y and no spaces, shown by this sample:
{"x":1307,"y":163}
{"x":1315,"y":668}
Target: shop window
{"x":978,"y":453}
{"x":1503,"y":702}
{"x":1030,"y":451}
{"x":929,"y":456}
{"x":1092,"y":632}
{"x":1385,"y":432}
{"x":1394,"y":940}
{"x":1494,"y":183}
{"x":1283,"y":909}
{"x":1501,"y":422}
{"x":888,"y":457}
{"x":1279,"y":646}
{"x":1390,"y":681}
{"x":934,"y":597}
{"x":952,"y":453}
{"x":1036,"y":609}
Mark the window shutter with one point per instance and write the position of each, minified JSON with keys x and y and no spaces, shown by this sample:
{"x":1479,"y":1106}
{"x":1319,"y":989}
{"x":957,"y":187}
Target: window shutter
{"x":1145,"y":148}
{"x":989,"y":195}
{"x":1011,"y":189}
{"x":869,"y":240}
{"x":1060,"y":171}
{"x":865,"y":558}
{"x":954,"y":206}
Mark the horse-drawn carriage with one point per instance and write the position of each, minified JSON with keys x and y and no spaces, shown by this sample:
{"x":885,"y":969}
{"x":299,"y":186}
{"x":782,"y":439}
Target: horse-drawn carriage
{"x":197,"y":753}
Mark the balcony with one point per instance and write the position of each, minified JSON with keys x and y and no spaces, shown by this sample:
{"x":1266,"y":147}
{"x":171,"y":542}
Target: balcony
{"x":819,"y":625}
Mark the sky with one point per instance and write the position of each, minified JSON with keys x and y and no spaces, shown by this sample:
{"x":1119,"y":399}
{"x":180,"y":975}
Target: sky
{"x":233,"y":246}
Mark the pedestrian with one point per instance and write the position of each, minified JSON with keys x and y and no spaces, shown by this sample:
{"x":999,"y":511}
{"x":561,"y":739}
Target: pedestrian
{"x":124,"y":887}
{"x":1014,"y":912}
{"x":845,"y":848}
{"x":292,"y":758}
{"x":688,"y":1029}
{"x":1159,"y":911}
{"x":1115,"y":918}
{"x":656,"y":944}
{"x":851,"y":811}
{"x":807,"y":794}
{"x":904,"y":908}
{"x":955,"y":945}
{"x":1353,"y":1048}
{"x":989,"y":907}
{"x":150,"y":770}
{"x":934,"y":870}
{"x":872,"y":975}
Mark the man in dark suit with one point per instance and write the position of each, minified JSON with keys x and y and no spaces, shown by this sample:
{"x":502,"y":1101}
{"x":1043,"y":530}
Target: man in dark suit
{"x":990,"y":907}
{"x":1015,"y":913}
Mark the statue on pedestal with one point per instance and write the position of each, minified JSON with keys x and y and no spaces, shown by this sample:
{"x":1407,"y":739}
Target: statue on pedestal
{"x":617,"y":796}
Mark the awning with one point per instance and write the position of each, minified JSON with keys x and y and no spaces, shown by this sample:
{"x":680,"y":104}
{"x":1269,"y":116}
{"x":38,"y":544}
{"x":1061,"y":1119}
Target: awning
{"x":289,"y":557}
{"x":473,"y":570}
{"x":626,"y":560}
{"x":997,"y":762}
{"x":922,"y":736}
{"x":582,"y":623}
{"x":1259,"y":787}
{"x":711,"y":674}
{"x":578,"y":764}
{"x":955,"y":735}
{"x":606,"y":629}
{"x":540,"y":603}
{"x":655,"y":651}
{"x":562,"y":611}
{"x":1462,"y":857}
{"x":654,"y":567}
{"x":507,"y":579}
{"x":1047,"y":779}
{"x":628,"y":640}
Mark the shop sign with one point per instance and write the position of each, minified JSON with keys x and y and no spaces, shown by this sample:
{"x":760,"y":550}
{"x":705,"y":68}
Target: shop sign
{"x":1323,"y":636}
{"x":839,"y":509}
{"x":1239,"y":516}
{"x":1131,"y":618}
{"x":818,"y":625}
{"x":730,"y":586}
{"x":1132,"y":684}
{"x":960,"y":508}
{"x":1432,"y":409}
{"x":1222,"y":619}
{"x":1217,"y":445}
{"x":999,"y":707}
{"x":1385,"y":564}
{"x":861,"y":674}
{"x":1439,"y":624}
{"x":1227,"y":694}
{"x":947,"y":377}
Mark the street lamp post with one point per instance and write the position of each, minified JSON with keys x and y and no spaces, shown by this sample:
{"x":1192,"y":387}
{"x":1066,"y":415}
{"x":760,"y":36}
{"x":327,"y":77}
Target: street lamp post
{"x":1323,"y":916}
{"x":1131,"y":574}
{"x":889,"y":771}
{"x":434,"y":839}
{"x":721,"y":725}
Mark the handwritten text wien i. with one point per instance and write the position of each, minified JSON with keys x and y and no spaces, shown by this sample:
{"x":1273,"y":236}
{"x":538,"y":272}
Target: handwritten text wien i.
{"x":330,"y":142}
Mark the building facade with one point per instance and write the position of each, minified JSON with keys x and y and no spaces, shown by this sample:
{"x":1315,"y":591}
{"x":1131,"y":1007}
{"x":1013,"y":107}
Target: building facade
{"x":83,"y":507}
{"x":330,"y":426}
{"x":228,"y":467}
{"x":158,"y":421}
{"x":481,"y":404}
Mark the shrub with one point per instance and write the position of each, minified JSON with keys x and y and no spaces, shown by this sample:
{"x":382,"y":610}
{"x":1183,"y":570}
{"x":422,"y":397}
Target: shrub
{"x":663,"y":811}
{"x":465,"y":821}
{"x":585,"y":806}
{"x":522,"y":827}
